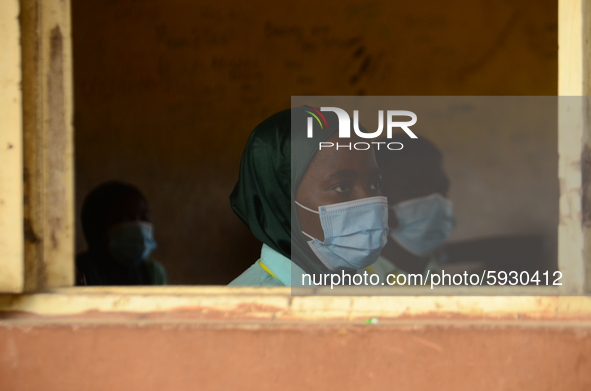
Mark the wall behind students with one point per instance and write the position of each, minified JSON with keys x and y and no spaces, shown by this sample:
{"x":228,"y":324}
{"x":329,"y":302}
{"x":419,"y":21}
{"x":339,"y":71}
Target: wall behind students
{"x":167,"y":92}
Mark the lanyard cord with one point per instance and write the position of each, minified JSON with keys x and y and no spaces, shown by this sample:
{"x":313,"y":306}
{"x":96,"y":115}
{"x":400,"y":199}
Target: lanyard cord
{"x":265,"y":268}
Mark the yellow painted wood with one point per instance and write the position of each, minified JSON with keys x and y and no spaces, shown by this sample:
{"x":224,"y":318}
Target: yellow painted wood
{"x":278,"y":304}
{"x":574,"y":145}
{"x":49,"y":209}
{"x":11,"y":151}
{"x":48,"y":144}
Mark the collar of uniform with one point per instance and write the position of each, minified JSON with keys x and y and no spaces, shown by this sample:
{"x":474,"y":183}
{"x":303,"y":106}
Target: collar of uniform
{"x":281,"y":266}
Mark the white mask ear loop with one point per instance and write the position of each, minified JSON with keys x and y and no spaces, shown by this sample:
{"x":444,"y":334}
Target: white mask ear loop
{"x":313,"y":211}
{"x":311,"y":237}
{"x":302,"y":206}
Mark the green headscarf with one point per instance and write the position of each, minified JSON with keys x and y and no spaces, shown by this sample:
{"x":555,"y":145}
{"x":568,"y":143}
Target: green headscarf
{"x":263,"y":197}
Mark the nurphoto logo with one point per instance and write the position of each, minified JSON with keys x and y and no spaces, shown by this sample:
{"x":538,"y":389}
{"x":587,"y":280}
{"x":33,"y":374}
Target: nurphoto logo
{"x":345,"y":127}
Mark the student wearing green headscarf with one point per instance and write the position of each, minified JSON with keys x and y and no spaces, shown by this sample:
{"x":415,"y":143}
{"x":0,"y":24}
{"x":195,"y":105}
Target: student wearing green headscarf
{"x":317,"y":212}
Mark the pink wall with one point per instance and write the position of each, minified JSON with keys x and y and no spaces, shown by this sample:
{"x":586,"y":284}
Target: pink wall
{"x":432,"y":354}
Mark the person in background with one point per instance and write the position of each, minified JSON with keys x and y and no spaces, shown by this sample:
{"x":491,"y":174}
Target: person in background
{"x":316,"y":212}
{"x":118,"y":233}
{"x":421,"y":215}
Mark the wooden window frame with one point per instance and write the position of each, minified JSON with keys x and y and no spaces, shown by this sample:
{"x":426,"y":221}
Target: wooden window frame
{"x":37,"y":166}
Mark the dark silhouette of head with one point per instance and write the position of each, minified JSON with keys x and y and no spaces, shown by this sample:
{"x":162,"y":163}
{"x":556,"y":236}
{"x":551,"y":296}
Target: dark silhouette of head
{"x":107,"y":205}
{"x":412,"y":172}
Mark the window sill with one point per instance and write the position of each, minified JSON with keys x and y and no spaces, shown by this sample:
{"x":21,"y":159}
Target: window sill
{"x":217,"y":304}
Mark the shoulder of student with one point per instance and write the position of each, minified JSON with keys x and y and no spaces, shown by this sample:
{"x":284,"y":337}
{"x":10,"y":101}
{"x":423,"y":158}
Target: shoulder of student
{"x":157,"y":271}
{"x":255,"y":275}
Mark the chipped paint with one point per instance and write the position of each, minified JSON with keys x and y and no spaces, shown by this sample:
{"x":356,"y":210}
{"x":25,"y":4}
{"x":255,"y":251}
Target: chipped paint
{"x":277,"y":305}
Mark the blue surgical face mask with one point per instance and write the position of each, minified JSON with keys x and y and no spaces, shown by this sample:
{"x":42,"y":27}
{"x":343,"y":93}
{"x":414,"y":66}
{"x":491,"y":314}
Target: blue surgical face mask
{"x":131,"y":242}
{"x":355,"y":232}
{"x":424,"y":224}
